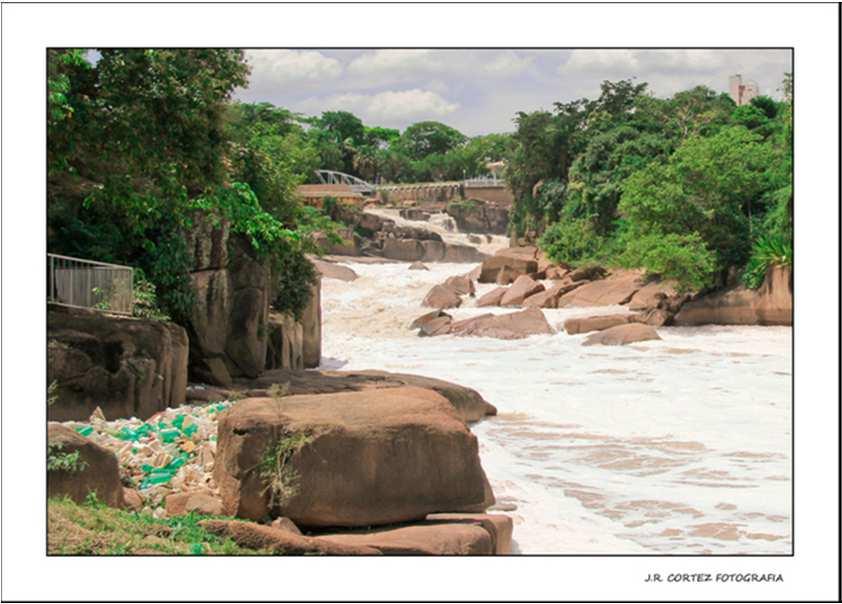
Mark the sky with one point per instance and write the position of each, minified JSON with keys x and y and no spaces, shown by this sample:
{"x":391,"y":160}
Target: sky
{"x":480,"y":91}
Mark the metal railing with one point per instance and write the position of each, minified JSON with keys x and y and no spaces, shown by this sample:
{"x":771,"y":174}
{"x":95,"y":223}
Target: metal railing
{"x":80,"y":283}
{"x":485,"y":181}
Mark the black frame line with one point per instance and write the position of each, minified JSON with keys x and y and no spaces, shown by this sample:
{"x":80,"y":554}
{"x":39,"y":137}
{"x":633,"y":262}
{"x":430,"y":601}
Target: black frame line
{"x":542,"y":555}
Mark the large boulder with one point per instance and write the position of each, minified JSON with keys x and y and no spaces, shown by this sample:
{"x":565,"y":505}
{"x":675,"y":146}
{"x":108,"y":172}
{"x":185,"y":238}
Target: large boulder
{"x":77,"y":466}
{"x":771,"y":304}
{"x":492,"y":298}
{"x":653,"y":294}
{"x":405,"y":250}
{"x":461,"y":285}
{"x":432,"y":538}
{"x":598,"y":323}
{"x":549,"y":298}
{"x":347,"y":459}
{"x":523,"y":287}
{"x":491,"y":267}
{"x":511,"y":326}
{"x":622,"y":334}
{"x":441,"y":296}
{"x":467,"y":402}
{"x":433,"y":250}
{"x":128,"y":367}
{"x":616,"y":288}
{"x":332,"y":270}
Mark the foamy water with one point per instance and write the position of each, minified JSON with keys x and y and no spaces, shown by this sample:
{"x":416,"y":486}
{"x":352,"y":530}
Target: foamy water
{"x":673,"y":446}
{"x":445,"y":226}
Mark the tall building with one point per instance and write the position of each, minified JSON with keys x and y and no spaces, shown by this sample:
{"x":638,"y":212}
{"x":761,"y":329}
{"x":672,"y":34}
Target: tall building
{"x":742,"y":92}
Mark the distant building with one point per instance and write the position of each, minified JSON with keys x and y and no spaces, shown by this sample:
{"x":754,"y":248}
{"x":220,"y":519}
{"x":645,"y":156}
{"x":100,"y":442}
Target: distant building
{"x":742,"y":92}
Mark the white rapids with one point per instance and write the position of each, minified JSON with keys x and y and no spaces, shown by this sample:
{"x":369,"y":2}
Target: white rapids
{"x":676,"y":446}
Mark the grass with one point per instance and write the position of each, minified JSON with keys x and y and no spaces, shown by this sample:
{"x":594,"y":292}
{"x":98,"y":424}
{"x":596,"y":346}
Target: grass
{"x":93,"y":529}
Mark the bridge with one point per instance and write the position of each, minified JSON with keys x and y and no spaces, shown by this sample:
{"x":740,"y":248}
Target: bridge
{"x":341,"y":185}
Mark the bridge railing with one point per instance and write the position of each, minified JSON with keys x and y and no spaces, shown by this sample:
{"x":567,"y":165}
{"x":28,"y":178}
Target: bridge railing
{"x":485,"y":181}
{"x":80,"y":283}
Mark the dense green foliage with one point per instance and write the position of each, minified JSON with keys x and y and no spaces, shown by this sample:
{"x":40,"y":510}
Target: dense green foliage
{"x":685,"y":187}
{"x":689,"y":187}
{"x":142,"y":140}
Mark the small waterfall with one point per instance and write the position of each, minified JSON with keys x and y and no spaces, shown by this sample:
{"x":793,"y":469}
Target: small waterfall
{"x":444,"y":225}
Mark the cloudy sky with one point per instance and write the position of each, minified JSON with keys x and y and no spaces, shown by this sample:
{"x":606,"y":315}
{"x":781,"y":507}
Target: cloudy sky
{"x":479,"y":91}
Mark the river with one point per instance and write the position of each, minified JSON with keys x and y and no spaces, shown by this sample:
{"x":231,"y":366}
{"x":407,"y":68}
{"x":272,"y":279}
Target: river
{"x":677,"y":446}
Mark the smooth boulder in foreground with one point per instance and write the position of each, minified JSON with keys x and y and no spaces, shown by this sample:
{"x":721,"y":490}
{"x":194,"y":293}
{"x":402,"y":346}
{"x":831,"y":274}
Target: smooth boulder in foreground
{"x":622,"y":335}
{"x":354,"y":458}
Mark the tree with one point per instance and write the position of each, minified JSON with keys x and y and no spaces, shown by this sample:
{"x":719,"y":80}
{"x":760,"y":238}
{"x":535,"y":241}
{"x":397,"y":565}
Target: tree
{"x":426,"y":138}
{"x":708,"y":186}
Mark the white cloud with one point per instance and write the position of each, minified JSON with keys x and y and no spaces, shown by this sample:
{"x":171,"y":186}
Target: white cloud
{"x":275,"y":68}
{"x":400,"y":65}
{"x":668,"y":71}
{"x":391,"y":107}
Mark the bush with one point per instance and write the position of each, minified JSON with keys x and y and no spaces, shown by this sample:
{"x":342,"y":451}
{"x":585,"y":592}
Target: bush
{"x":769,"y":250}
{"x":571,"y":241}
{"x":683,"y":258}
{"x":296,"y":275}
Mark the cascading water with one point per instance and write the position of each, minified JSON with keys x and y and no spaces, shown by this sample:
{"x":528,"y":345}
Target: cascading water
{"x":674,"y":446}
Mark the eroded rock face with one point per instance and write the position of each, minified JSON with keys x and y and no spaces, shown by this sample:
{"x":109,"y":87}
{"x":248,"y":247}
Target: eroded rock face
{"x":476,"y":216}
{"x":621,"y":335}
{"x":96,"y":469}
{"x":285,"y":348}
{"x":311,"y":325}
{"x":371,"y":457}
{"x":771,"y":304}
{"x":512,"y":326}
{"x":128,"y":367}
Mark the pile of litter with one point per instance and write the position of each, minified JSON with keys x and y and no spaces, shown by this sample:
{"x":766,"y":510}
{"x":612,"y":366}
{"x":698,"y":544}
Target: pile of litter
{"x":172,"y":451}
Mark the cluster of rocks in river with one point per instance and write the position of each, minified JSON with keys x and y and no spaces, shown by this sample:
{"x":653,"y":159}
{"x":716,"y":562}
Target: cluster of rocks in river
{"x":368,"y":234}
{"x":521,"y":274}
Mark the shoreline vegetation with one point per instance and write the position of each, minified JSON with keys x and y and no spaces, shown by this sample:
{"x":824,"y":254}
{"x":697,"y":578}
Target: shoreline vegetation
{"x":678,"y":206}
